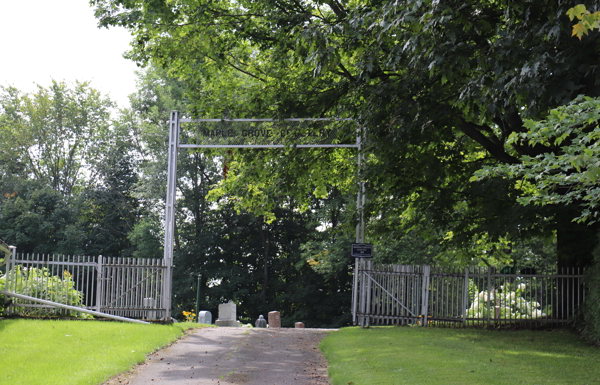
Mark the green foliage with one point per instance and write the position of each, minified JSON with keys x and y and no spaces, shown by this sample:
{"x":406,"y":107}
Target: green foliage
{"x":54,"y":133}
{"x":440,"y":86}
{"x":587,"y":20}
{"x":509,"y":300}
{"x":39,"y":219}
{"x":567,"y":175}
{"x":40,"y":283}
{"x":68,"y":177}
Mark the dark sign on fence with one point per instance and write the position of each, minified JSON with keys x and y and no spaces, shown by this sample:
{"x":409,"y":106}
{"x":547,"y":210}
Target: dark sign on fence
{"x":362,"y":250}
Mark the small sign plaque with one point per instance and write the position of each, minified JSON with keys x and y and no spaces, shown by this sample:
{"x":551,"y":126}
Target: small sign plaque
{"x":362,"y":250}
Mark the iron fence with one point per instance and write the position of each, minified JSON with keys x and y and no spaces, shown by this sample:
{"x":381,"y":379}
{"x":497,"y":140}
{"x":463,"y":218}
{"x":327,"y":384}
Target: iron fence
{"x":126,"y":287}
{"x":425,"y":295}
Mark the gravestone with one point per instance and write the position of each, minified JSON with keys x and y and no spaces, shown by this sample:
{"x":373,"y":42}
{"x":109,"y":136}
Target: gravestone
{"x":299,"y":325}
{"x":227,"y":315}
{"x":261,"y":322}
{"x":274,"y":319}
{"x":205,"y":317}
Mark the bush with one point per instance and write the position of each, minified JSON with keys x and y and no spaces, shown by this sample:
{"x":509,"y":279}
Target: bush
{"x":40,"y":283}
{"x":512,"y":302}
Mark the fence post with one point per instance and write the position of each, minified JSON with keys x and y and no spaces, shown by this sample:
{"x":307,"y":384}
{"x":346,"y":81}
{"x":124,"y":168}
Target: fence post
{"x":425,"y":294}
{"x":490,"y":287}
{"x":99,"y":277}
{"x":198,"y":297}
{"x":355,"y":290}
{"x":10,"y":264}
{"x":465,"y":295}
{"x":369,"y":267}
{"x":362,"y":293}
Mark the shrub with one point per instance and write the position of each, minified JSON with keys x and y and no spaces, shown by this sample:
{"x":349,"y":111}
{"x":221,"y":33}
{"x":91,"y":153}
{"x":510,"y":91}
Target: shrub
{"x":40,"y":283}
{"x":511,"y":301}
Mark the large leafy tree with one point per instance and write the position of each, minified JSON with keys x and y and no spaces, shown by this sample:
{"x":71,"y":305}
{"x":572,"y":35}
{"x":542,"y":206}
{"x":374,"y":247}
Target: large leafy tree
{"x":440,"y":85}
{"x":56,"y":145}
{"x":55,"y":133}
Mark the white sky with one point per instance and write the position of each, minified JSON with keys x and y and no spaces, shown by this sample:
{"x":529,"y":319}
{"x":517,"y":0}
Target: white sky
{"x":43,"y":40}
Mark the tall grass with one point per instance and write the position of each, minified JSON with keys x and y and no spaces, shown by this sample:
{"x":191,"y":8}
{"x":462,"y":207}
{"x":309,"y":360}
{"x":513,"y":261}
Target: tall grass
{"x":405,"y":355}
{"x":75,"y":352}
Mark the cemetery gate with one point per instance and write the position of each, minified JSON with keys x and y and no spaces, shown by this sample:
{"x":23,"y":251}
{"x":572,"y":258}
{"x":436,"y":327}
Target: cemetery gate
{"x":473,"y":296}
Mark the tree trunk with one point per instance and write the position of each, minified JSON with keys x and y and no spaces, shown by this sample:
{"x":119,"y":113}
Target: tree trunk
{"x":575,"y":244}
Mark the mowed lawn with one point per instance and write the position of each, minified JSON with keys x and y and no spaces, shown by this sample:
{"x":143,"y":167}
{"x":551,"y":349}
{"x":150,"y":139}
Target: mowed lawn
{"x":76,"y":352}
{"x":414,"y":355}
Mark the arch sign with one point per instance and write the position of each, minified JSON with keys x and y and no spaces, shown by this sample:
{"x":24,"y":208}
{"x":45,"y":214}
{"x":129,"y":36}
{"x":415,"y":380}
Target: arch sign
{"x":253,"y":133}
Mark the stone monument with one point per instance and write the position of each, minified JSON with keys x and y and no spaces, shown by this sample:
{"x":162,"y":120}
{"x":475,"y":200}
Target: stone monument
{"x":227,"y":315}
{"x":204,"y":317}
{"x":261,"y":322}
{"x":274,"y":319}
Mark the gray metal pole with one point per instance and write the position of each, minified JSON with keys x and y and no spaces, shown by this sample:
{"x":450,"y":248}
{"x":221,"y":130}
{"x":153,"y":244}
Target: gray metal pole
{"x":360,"y":230}
{"x":170,"y":210}
{"x":198,"y":296}
{"x":99,"y":279}
{"x":74,"y":308}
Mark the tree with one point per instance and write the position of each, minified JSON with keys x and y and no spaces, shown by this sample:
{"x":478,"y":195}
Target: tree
{"x":239,"y":255}
{"x":54,"y":133}
{"x":51,"y":143}
{"x":569,"y":174}
{"x":440,"y":85}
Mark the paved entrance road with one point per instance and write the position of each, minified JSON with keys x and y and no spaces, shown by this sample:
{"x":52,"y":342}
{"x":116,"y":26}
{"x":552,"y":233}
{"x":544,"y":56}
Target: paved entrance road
{"x":236,"y":356}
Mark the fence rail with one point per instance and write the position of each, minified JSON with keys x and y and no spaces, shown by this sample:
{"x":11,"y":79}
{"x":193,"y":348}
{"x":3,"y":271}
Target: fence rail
{"x":126,"y":287}
{"x":406,"y":294}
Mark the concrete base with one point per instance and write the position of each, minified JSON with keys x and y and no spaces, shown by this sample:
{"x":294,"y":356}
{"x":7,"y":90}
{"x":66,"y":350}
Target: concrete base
{"x":228,"y":323}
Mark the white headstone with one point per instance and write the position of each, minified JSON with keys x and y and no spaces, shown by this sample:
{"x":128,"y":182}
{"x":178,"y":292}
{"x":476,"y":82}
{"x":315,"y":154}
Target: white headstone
{"x":205,"y":317}
{"x":227,"y":311}
{"x":227,"y":315}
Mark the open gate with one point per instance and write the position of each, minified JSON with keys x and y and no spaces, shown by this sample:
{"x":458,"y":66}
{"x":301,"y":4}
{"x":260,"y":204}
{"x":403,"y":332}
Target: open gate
{"x":123,"y":287}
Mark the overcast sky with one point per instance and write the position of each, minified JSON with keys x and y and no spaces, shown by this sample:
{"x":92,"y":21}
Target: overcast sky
{"x":59,"y":39}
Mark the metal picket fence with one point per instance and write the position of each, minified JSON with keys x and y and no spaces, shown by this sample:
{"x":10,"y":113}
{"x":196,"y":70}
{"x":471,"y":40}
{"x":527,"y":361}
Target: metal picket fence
{"x":474,"y":296}
{"x":126,"y":287}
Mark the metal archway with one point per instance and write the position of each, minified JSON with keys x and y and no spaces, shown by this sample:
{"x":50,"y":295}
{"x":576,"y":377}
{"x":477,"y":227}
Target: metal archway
{"x":228,"y":137}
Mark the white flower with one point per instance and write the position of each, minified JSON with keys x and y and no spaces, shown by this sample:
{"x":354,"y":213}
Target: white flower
{"x":511,"y":296}
{"x":537,"y":314}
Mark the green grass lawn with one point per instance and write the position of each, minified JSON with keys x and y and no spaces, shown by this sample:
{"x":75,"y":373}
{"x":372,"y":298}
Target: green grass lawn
{"x":413,"y":355}
{"x":76,"y":352}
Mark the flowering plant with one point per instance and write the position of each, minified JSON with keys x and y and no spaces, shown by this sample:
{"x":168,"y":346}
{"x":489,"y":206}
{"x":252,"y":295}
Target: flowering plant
{"x":507,"y":302}
{"x":189,"y":316}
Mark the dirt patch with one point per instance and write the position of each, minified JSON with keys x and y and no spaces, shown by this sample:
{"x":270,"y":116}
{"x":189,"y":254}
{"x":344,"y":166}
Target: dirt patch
{"x":226,"y":356}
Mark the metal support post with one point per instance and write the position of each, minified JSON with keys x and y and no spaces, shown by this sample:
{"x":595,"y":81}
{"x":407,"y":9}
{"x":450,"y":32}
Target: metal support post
{"x":465,"y":302}
{"x":198,"y":296}
{"x":9,"y":265}
{"x":99,"y":279}
{"x":170,"y":211}
{"x":358,"y":283}
{"x":425,"y":295}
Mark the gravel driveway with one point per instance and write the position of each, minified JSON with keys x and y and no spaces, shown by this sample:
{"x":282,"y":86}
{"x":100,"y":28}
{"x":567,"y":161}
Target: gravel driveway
{"x":225,"y":356}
